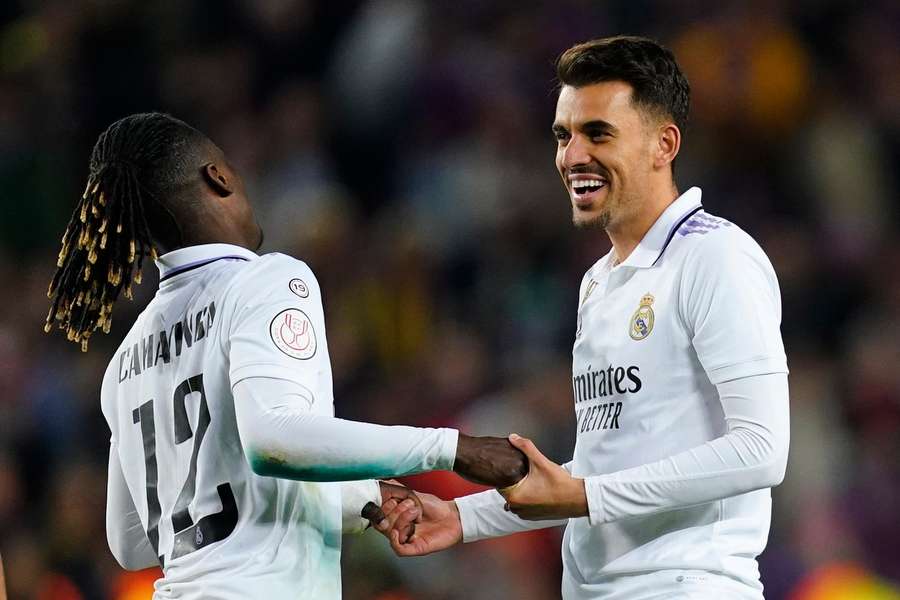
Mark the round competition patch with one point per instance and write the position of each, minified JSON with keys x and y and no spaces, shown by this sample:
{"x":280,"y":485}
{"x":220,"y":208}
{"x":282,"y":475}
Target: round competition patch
{"x":293,"y":333}
{"x":299,"y":287}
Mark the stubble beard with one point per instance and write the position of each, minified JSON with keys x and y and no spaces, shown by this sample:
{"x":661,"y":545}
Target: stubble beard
{"x":599,"y":221}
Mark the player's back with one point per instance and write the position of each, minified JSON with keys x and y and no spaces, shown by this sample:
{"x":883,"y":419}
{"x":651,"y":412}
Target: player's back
{"x":219,"y":529}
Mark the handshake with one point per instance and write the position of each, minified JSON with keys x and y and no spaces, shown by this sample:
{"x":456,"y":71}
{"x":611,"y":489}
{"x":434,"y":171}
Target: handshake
{"x":534,"y":487}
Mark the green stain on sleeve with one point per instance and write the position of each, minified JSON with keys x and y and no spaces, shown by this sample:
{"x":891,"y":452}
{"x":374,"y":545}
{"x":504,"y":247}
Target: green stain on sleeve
{"x":273,"y":466}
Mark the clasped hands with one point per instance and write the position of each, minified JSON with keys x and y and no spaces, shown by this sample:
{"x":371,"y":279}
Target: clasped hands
{"x":534,"y":487}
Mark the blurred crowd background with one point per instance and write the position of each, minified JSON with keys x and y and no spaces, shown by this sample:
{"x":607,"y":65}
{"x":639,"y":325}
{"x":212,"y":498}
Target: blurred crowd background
{"x":403,"y":150}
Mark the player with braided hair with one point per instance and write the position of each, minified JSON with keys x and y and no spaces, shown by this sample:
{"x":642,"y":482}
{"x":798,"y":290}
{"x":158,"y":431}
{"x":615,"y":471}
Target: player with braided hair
{"x":108,"y":236}
{"x":227,"y":466}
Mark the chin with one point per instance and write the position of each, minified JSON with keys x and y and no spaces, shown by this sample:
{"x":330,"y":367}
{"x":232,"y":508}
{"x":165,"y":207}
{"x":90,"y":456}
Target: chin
{"x":598,"y":220}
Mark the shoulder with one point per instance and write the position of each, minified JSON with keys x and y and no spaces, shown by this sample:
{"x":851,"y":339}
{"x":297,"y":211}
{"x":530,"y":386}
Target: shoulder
{"x":710,"y":243}
{"x":271,"y":272}
{"x":718,"y":259}
{"x":276,"y":263}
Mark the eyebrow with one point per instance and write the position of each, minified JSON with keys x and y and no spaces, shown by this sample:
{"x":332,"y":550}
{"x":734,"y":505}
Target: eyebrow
{"x":597,"y":126}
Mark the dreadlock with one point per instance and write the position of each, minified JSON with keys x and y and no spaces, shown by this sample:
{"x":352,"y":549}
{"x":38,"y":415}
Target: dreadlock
{"x":137,"y":166}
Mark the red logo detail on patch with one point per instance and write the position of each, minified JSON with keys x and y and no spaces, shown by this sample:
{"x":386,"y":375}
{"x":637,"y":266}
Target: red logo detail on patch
{"x":293,"y":333}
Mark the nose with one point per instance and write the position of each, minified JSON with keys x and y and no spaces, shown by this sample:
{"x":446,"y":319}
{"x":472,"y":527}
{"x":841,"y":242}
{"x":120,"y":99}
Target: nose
{"x":575,"y":152}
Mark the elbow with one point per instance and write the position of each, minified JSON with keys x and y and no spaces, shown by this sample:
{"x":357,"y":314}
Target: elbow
{"x":125,"y":558}
{"x":777,"y":466}
{"x":266,"y":461}
{"x":777,"y":469}
{"x":265,"y":453}
{"x":258,"y":451}
{"x":764,"y":456}
{"x":770,"y":475}
{"x":262,"y":462}
{"x":771,"y":472}
{"x":117,"y":551}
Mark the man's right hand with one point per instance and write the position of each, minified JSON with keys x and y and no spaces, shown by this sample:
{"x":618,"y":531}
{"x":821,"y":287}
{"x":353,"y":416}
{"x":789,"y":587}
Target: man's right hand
{"x":437,"y":525}
{"x":489,"y":461}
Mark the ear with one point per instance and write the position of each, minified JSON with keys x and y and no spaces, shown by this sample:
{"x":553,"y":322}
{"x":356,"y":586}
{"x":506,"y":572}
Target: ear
{"x":218,"y":180}
{"x":668,"y":143}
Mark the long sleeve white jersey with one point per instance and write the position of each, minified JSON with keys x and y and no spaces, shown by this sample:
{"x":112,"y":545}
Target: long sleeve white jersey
{"x":227,"y":466}
{"x":681,"y":403}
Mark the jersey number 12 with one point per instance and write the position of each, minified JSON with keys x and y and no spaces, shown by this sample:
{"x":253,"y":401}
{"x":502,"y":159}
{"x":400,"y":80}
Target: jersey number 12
{"x":189,"y":536}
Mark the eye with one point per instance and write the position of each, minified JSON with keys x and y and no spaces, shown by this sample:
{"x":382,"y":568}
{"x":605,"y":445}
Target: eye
{"x":561,"y":134}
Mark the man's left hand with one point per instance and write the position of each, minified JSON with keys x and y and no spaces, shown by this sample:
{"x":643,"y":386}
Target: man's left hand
{"x":547,"y":492}
{"x":392,"y":490}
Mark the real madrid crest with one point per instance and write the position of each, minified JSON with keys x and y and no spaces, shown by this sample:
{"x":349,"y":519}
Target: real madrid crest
{"x":642,"y":320}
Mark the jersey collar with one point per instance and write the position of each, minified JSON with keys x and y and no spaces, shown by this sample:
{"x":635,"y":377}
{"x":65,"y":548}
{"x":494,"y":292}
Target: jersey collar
{"x":656,"y":240}
{"x":186,"y":259}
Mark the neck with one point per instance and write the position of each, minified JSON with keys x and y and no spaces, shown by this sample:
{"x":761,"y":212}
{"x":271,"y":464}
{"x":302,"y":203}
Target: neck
{"x":214,"y":228}
{"x":626,"y":236}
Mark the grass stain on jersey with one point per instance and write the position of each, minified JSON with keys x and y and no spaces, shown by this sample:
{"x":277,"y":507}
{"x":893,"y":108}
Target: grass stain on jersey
{"x":270,"y":465}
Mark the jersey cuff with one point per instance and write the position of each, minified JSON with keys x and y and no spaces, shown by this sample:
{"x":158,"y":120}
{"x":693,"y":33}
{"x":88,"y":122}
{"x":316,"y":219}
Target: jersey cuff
{"x":593,"y":491}
{"x":468,"y":507}
{"x":761,"y":366}
{"x":449,"y":441}
{"x":354,"y":496}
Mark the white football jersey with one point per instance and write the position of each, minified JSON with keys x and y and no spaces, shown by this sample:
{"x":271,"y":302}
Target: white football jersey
{"x":223,"y":314}
{"x":694,"y":305}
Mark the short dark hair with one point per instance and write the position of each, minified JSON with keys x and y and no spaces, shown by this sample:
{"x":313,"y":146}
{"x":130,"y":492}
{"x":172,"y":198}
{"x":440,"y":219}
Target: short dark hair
{"x":141,"y":168}
{"x":650,"y":68}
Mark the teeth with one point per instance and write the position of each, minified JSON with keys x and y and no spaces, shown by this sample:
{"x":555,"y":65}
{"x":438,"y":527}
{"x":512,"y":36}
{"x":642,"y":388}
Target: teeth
{"x":582,"y":184}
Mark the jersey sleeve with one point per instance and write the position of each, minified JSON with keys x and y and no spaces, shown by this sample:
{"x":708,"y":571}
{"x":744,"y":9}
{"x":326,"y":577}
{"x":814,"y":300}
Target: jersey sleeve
{"x":278,"y":326}
{"x":751,"y":455}
{"x":282,"y":438}
{"x":354,"y":496}
{"x":483,"y":516}
{"x":731,"y":305}
{"x":125,"y":533}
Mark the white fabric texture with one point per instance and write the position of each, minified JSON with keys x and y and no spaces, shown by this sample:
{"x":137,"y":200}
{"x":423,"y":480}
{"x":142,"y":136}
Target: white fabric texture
{"x":483,"y":516}
{"x":321,"y":448}
{"x":354,"y":496}
{"x":750,"y":456}
{"x":125,"y":533}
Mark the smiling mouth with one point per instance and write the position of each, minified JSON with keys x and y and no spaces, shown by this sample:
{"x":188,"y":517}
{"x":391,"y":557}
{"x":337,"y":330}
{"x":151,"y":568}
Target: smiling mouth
{"x":584,"y":191}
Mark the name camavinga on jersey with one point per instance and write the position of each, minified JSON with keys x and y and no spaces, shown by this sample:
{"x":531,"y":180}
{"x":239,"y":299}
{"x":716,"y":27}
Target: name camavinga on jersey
{"x":139,"y":357}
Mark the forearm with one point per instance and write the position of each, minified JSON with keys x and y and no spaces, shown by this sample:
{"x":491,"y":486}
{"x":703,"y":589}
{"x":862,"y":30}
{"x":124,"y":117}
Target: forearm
{"x":751,"y":455}
{"x":483,"y":516}
{"x":125,"y":533}
{"x":281,"y":440}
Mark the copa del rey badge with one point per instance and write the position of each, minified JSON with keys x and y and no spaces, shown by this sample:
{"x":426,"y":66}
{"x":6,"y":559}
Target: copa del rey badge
{"x":293,"y":333}
{"x":642,"y":319}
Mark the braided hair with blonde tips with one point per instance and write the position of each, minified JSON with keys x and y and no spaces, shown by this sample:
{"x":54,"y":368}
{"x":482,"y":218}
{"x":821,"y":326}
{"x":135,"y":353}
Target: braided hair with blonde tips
{"x":140,"y":168}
